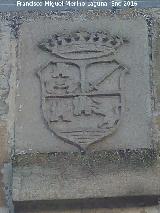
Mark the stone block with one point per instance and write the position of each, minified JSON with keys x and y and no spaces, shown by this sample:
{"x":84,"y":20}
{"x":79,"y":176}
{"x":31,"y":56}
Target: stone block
{"x":115,"y":106}
{"x":84,"y":124}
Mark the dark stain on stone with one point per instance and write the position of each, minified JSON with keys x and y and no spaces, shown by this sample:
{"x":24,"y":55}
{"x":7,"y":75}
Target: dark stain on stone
{"x":113,"y":160}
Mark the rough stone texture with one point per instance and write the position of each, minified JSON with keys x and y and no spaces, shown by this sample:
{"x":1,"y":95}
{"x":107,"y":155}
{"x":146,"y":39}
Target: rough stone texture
{"x":123,"y":210}
{"x":122,"y":173}
{"x":126,"y":170}
{"x":97,"y":205}
{"x":4,"y":91}
{"x":4,"y":158}
{"x":3,"y":143}
{"x":2,"y":199}
{"x":70,"y":176}
{"x":39,"y":183}
{"x":5,"y":66}
{"x":156,"y":78}
{"x":34,"y":132}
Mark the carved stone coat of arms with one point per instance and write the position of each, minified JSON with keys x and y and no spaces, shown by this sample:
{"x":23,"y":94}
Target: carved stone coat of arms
{"x":82,"y":88}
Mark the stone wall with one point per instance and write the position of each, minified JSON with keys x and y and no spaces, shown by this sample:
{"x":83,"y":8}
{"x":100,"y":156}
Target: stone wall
{"x":41,"y":162}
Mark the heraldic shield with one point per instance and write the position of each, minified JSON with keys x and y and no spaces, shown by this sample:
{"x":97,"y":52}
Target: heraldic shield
{"x":82,"y":88}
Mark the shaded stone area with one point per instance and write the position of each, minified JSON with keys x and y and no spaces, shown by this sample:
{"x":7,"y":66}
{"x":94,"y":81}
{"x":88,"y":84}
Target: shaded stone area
{"x":145,"y":204}
{"x":122,"y":159}
{"x":66,"y":175}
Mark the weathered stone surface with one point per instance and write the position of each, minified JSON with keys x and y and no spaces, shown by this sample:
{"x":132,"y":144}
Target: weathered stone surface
{"x":87,"y":91}
{"x":127,"y":210}
{"x":5,"y":66}
{"x":2,"y":197}
{"x":48,"y":209}
{"x":3,"y":159}
{"x":5,"y":188}
{"x":3,"y":143}
{"x":68,"y":180}
{"x":72,"y":105}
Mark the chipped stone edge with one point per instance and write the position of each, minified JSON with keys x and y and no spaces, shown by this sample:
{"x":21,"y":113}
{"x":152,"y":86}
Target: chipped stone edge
{"x":7,"y":61}
{"x":4,"y":68}
{"x":156,"y":79}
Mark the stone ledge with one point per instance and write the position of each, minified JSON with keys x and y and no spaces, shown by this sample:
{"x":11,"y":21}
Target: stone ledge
{"x":96,"y":206}
{"x":65,"y":177}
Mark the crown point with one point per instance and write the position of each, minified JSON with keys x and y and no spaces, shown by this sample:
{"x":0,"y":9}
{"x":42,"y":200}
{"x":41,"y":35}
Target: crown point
{"x":85,"y":43}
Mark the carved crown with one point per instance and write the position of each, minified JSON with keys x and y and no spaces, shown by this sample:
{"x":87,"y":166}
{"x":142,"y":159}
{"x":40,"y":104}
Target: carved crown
{"x":82,"y":45}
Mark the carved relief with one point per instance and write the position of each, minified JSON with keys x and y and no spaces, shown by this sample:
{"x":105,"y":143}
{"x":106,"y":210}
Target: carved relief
{"x":82,"y":88}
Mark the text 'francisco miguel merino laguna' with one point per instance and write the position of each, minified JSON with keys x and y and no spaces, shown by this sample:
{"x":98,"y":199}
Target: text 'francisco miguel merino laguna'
{"x":60,"y":3}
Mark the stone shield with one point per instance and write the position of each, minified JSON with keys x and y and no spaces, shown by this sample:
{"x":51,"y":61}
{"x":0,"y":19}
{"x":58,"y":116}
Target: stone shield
{"x":82,"y":89}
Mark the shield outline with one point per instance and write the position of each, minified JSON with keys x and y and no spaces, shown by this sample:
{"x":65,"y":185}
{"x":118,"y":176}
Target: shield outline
{"x":83,"y":64}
